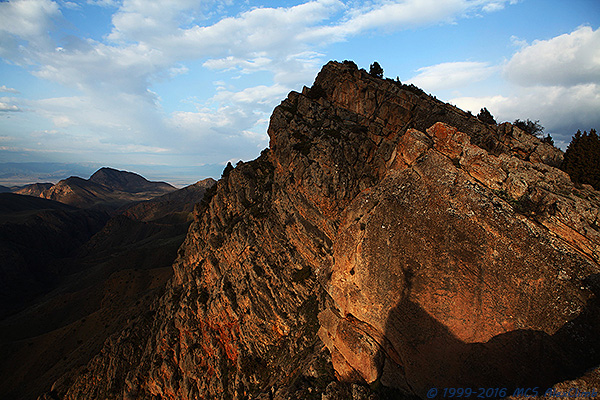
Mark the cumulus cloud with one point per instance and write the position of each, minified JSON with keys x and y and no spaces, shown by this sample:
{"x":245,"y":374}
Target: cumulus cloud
{"x":565,"y":60}
{"x":5,"y":107}
{"x":452,"y":75}
{"x":153,"y":41}
{"x":556,"y":81}
{"x":560,"y":109}
{"x":5,"y":89}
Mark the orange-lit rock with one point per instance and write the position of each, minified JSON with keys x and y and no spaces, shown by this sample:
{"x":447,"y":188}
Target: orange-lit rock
{"x":421,"y":247}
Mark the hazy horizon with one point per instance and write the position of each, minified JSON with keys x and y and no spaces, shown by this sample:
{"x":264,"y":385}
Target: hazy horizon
{"x":21,"y":174}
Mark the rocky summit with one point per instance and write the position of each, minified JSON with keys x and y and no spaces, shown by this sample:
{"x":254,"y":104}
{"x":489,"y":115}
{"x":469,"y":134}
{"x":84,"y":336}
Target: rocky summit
{"x":385,"y":243}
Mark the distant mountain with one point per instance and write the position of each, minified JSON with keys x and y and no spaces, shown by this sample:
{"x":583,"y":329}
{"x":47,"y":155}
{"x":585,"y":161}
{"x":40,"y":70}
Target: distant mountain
{"x":22,"y":173}
{"x":5,"y":189}
{"x":19,"y":174}
{"x":35,"y":189}
{"x":106,"y":189}
{"x":81,"y":193}
{"x":128,"y":181}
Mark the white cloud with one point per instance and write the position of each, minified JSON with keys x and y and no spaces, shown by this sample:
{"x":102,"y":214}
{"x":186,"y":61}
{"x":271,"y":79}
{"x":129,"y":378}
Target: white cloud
{"x":559,"y":109}
{"x":5,"y":107}
{"x":5,"y":89}
{"x":261,"y":95}
{"x":565,"y":60}
{"x":147,"y":21}
{"x":28,"y":19}
{"x":62,"y":121}
{"x":153,"y":41}
{"x":518,"y":42}
{"x":25,"y":20}
{"x":71,"y":5}
{"x":497,"y":5}
{"x":246,"y":65}
{"x":104,"y":3}
{"x":555,"y":81}
{"x":452,"y":75}
{"x":400,"y":14}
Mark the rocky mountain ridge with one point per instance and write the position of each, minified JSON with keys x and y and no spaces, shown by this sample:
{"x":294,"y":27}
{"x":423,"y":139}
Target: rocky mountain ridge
{"x":384,"y":244}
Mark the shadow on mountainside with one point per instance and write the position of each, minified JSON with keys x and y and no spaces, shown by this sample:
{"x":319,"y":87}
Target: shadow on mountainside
{"x":431,"y":356}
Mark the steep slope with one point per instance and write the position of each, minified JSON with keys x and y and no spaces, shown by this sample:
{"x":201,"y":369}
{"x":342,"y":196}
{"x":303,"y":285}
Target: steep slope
{"x":97,"y":288}
{"x":34,"y":233}
{"x":384,"y":238}
{"x":177,"y":205}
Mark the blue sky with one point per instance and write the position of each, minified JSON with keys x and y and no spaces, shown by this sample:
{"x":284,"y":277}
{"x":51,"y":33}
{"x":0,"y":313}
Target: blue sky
{"x":175,"y":89}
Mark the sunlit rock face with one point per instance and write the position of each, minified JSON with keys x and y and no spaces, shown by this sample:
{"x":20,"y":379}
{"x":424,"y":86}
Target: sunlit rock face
{"x":384,"y":238}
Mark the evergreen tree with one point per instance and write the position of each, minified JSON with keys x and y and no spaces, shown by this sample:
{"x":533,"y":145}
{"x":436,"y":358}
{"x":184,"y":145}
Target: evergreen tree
{"x":582,"y":158}
{"x":376,"y":70}
{"x":548,"y":139}
{"x":486,"y":117}
{"x":532,"y":127}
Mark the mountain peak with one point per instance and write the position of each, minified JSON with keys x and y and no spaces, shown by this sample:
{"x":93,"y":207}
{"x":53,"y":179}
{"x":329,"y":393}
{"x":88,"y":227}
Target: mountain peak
{"x":125,"y":180}
{"x":384,"y":238}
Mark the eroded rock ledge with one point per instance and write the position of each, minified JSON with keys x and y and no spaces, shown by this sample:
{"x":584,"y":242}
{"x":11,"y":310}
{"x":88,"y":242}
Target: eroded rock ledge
{"x":384,"y":238}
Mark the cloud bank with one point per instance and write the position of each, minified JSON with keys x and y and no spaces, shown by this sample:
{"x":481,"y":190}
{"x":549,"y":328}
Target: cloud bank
{"x":556,"y":81}
{"x":116,"y":110}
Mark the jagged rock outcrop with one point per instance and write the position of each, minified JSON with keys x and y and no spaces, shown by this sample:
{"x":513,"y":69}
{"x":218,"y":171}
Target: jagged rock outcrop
{"x":385,"y":238}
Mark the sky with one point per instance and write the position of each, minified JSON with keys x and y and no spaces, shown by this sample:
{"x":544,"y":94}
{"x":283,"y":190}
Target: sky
{"x":175,"y":89}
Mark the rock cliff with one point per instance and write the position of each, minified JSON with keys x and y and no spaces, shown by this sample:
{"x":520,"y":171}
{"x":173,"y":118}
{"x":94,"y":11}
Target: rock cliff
{"x":384,"y":238}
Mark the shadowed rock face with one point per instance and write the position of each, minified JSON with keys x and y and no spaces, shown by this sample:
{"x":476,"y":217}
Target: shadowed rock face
{"x":34,"y":233}
{"x":385,"y":238}
{"x":63,"y":293}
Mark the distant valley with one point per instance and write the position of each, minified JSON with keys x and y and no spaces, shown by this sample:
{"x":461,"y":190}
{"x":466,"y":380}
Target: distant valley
{"x":79,"y":258}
